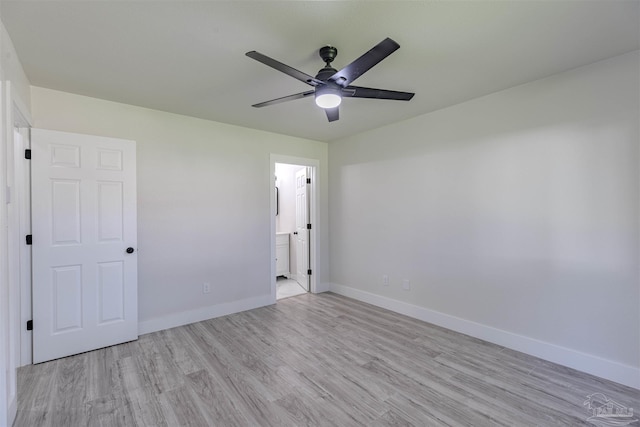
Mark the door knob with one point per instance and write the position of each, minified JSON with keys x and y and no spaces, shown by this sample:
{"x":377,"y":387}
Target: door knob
{"x":130,"y":250}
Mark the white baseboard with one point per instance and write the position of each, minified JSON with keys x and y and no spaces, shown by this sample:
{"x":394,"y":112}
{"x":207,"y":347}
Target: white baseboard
{"x":200,"y":314}
{"x":322,"y":287}
{"x":604,"y":368}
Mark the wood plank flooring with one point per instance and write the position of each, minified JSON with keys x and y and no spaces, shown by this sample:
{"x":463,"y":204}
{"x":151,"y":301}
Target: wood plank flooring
{"x":311,"y":360}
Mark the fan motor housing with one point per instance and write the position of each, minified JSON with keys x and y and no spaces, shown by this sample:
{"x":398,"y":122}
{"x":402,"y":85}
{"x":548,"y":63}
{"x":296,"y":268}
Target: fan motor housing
{"x":325,"y":73}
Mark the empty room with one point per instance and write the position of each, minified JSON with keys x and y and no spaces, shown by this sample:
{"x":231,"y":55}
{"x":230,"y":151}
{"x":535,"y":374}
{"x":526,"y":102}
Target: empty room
{"x":319,"y":213}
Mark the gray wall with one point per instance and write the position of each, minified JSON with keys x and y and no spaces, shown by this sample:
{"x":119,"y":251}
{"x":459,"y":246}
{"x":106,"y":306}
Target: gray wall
{"x":516,"y":211}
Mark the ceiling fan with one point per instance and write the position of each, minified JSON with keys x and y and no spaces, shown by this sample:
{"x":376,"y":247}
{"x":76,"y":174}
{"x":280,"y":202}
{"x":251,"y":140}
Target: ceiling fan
{"x":331,"y":85}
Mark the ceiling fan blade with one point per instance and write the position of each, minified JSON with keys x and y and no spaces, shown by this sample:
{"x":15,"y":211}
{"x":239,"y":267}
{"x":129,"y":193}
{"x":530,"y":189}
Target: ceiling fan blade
{"x":363,"y":64}
{"x":333,"y":114}
{"x":368,"y":92}
{"x":285,"y":99}
{"x":299,"y":75}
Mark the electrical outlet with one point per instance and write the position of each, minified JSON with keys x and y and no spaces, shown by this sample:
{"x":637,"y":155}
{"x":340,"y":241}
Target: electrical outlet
{"x":406,"y":285}
{"x":206,"y":288}
{"x":385,"y":280}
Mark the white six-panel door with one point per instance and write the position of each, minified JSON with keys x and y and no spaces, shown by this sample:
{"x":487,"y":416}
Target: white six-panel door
{"x":83,"y":221}
{"x":302,"y":219}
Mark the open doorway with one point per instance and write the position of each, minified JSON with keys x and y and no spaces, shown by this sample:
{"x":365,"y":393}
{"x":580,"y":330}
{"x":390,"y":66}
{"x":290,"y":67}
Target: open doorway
{"x":293,"y":226}
{"x":292,"y":234}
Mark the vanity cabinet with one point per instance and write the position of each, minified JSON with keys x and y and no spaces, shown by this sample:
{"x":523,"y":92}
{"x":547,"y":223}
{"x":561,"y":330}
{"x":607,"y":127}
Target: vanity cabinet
{"x":282,"y":255}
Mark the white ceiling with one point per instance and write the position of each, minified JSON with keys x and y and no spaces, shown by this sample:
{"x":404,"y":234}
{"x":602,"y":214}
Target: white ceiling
{"x":188,"y":57}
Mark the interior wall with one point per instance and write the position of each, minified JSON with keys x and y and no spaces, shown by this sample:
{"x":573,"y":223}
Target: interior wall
{"x":5,"y":343}
{"x":204,"y":213}
{"x":14,"y":73}
{"x":517,"y":212}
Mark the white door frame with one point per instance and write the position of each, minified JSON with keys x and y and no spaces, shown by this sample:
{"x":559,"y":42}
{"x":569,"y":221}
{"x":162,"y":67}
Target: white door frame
{"x":14,"y":115}
{"x":22,"y":193}
{"x":23,"y":196}
{"x":314,"y":194}
{"x":302,"y":233}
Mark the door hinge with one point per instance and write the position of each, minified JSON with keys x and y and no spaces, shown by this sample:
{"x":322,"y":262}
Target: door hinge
{"x":29,"y":325}
{"x":308,"y":180}
{"x":27,"y":154}
{"x":309,"y":272}
{"x":29,"y":239}
{"x":308,"y":226}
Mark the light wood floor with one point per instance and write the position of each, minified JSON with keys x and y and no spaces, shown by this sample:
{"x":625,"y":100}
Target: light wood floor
{"x":308,"y":360}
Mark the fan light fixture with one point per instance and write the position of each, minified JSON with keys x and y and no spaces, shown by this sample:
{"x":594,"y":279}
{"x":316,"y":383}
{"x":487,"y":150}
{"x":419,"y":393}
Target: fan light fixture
{"x":328,"y":100}
{"x":327,"y":97}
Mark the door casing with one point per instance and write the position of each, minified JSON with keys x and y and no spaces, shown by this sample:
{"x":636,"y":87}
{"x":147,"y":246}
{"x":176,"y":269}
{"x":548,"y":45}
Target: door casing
{"x":15,"y":123}
{"x":302,"y":238}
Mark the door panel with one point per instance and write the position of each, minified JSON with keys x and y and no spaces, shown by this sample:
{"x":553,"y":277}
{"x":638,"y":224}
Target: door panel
{"x":67,"y":298}
{"x":65,"y":212}
{"x":110,"y":214}
{"x":84,"y":218}
{"x":110,"y":291}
